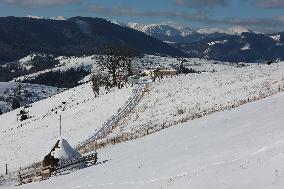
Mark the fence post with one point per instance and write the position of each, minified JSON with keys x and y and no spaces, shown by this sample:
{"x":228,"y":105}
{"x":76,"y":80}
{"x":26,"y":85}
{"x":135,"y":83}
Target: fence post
{"x":114,"y":140}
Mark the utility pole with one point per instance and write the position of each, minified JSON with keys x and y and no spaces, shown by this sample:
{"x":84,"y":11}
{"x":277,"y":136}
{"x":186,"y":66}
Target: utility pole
{"x":6,"y":169}
{"x":60,"y":127}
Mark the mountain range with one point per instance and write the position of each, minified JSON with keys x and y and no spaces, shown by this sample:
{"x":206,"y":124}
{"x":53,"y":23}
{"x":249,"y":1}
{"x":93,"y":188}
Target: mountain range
{"x":75,"y":36}
{"x":236,"y":44}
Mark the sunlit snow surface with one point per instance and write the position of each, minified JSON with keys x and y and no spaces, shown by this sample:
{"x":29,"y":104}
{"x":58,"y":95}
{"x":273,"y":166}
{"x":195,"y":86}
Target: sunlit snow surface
{"x":174,"y":100}
{"x":65,"y":151}
{"x":240,"y":148}
{"x":24,"y":92}
{"x":26,"y":142}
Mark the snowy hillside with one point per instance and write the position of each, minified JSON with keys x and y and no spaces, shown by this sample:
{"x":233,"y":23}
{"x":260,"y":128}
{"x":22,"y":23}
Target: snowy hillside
{"x":51,"y":18}
{"x":240,"y":148}
{"x":178,"y":99}
{"x":276,"y":37}
{"x":65,"y":63}
{"x":24,"y":93}
{"x":162,"y":29}
{"x":172,"y":30}
{"x":29,"y":141}
{"x":202,"y":145}
{"x":236,"y":30}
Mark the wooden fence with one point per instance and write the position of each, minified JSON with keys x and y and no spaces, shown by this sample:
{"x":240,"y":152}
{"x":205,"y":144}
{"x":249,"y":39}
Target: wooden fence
{"x":38,"y":172}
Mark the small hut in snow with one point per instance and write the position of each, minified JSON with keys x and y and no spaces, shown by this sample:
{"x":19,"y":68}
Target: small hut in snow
{"x":60,"y":153}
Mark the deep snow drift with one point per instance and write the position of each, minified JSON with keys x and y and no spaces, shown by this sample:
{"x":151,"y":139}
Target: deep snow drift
{"x":240,"y":148}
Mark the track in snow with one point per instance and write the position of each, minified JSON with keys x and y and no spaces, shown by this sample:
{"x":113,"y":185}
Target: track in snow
{"x":113,"y":120}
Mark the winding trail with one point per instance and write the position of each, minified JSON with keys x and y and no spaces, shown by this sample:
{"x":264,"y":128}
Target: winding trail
{"x":113,"y":120}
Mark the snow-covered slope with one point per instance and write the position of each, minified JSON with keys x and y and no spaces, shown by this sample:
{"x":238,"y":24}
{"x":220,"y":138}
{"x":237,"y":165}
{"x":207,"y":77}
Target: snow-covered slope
{"x":58,"y":18}
{"x":275,"y":37}
{"x":34,"y":17}
{"x":51,"y":18}
{"x":24,"y":93}
{"x":211,"y":30}
{"x":65,"y":63}
{"x":236,"y":30}
{"x":218,"y":87}
{"x":240,"y":148}
{"x":161,"y":29}
{"x":26,"y":142}
{"x":246,"y":47}
{"x":179,"y":30}
{"x":230,"y":149}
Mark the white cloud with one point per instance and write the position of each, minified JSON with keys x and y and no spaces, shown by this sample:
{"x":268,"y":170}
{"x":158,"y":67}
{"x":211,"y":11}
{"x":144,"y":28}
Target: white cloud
{"x":270,"y":3}
{"x":201,"y":3}
{"x":129,"y":11}
{"x":39,"y":3}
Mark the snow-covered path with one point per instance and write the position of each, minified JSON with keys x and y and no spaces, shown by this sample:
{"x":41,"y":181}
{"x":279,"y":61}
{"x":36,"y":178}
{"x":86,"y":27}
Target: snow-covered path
{"x":112,"y":121}
{"x":240,"y":148}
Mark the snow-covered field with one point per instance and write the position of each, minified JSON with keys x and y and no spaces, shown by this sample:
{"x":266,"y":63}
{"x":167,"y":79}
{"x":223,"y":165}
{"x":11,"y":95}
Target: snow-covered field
{"x":24,"y":93}
{"x":26,"y":142}
{"x":240,"y":148}
{"x":178,"y":99}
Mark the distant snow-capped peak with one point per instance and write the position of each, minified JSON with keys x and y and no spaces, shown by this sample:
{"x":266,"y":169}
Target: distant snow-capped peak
{"x":154,"y":29}
{"x":210,"y":30}
{"x":236,"y":30}
{"x":275,"y":37}
{"x":137,"y":26}
{"x":35,"y":17}
{"x":51,"y":18}
{"x":185,"y":31}
{"x":58,"y":18}
{"x":118,"y":23}
{"x":174,"y":29}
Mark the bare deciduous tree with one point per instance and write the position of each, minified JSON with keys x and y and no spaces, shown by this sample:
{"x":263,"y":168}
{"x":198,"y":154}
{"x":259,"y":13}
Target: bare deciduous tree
{"x":96,"y":83}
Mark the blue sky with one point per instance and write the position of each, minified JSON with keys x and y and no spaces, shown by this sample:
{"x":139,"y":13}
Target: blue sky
{"x":260,"y":15}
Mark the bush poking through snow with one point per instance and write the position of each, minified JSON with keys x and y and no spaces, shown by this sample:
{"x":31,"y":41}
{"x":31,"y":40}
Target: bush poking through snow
{"x":24,"y":115}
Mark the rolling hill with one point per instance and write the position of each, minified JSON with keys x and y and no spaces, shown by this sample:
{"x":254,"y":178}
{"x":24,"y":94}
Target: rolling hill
{"x":76,"y":36}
